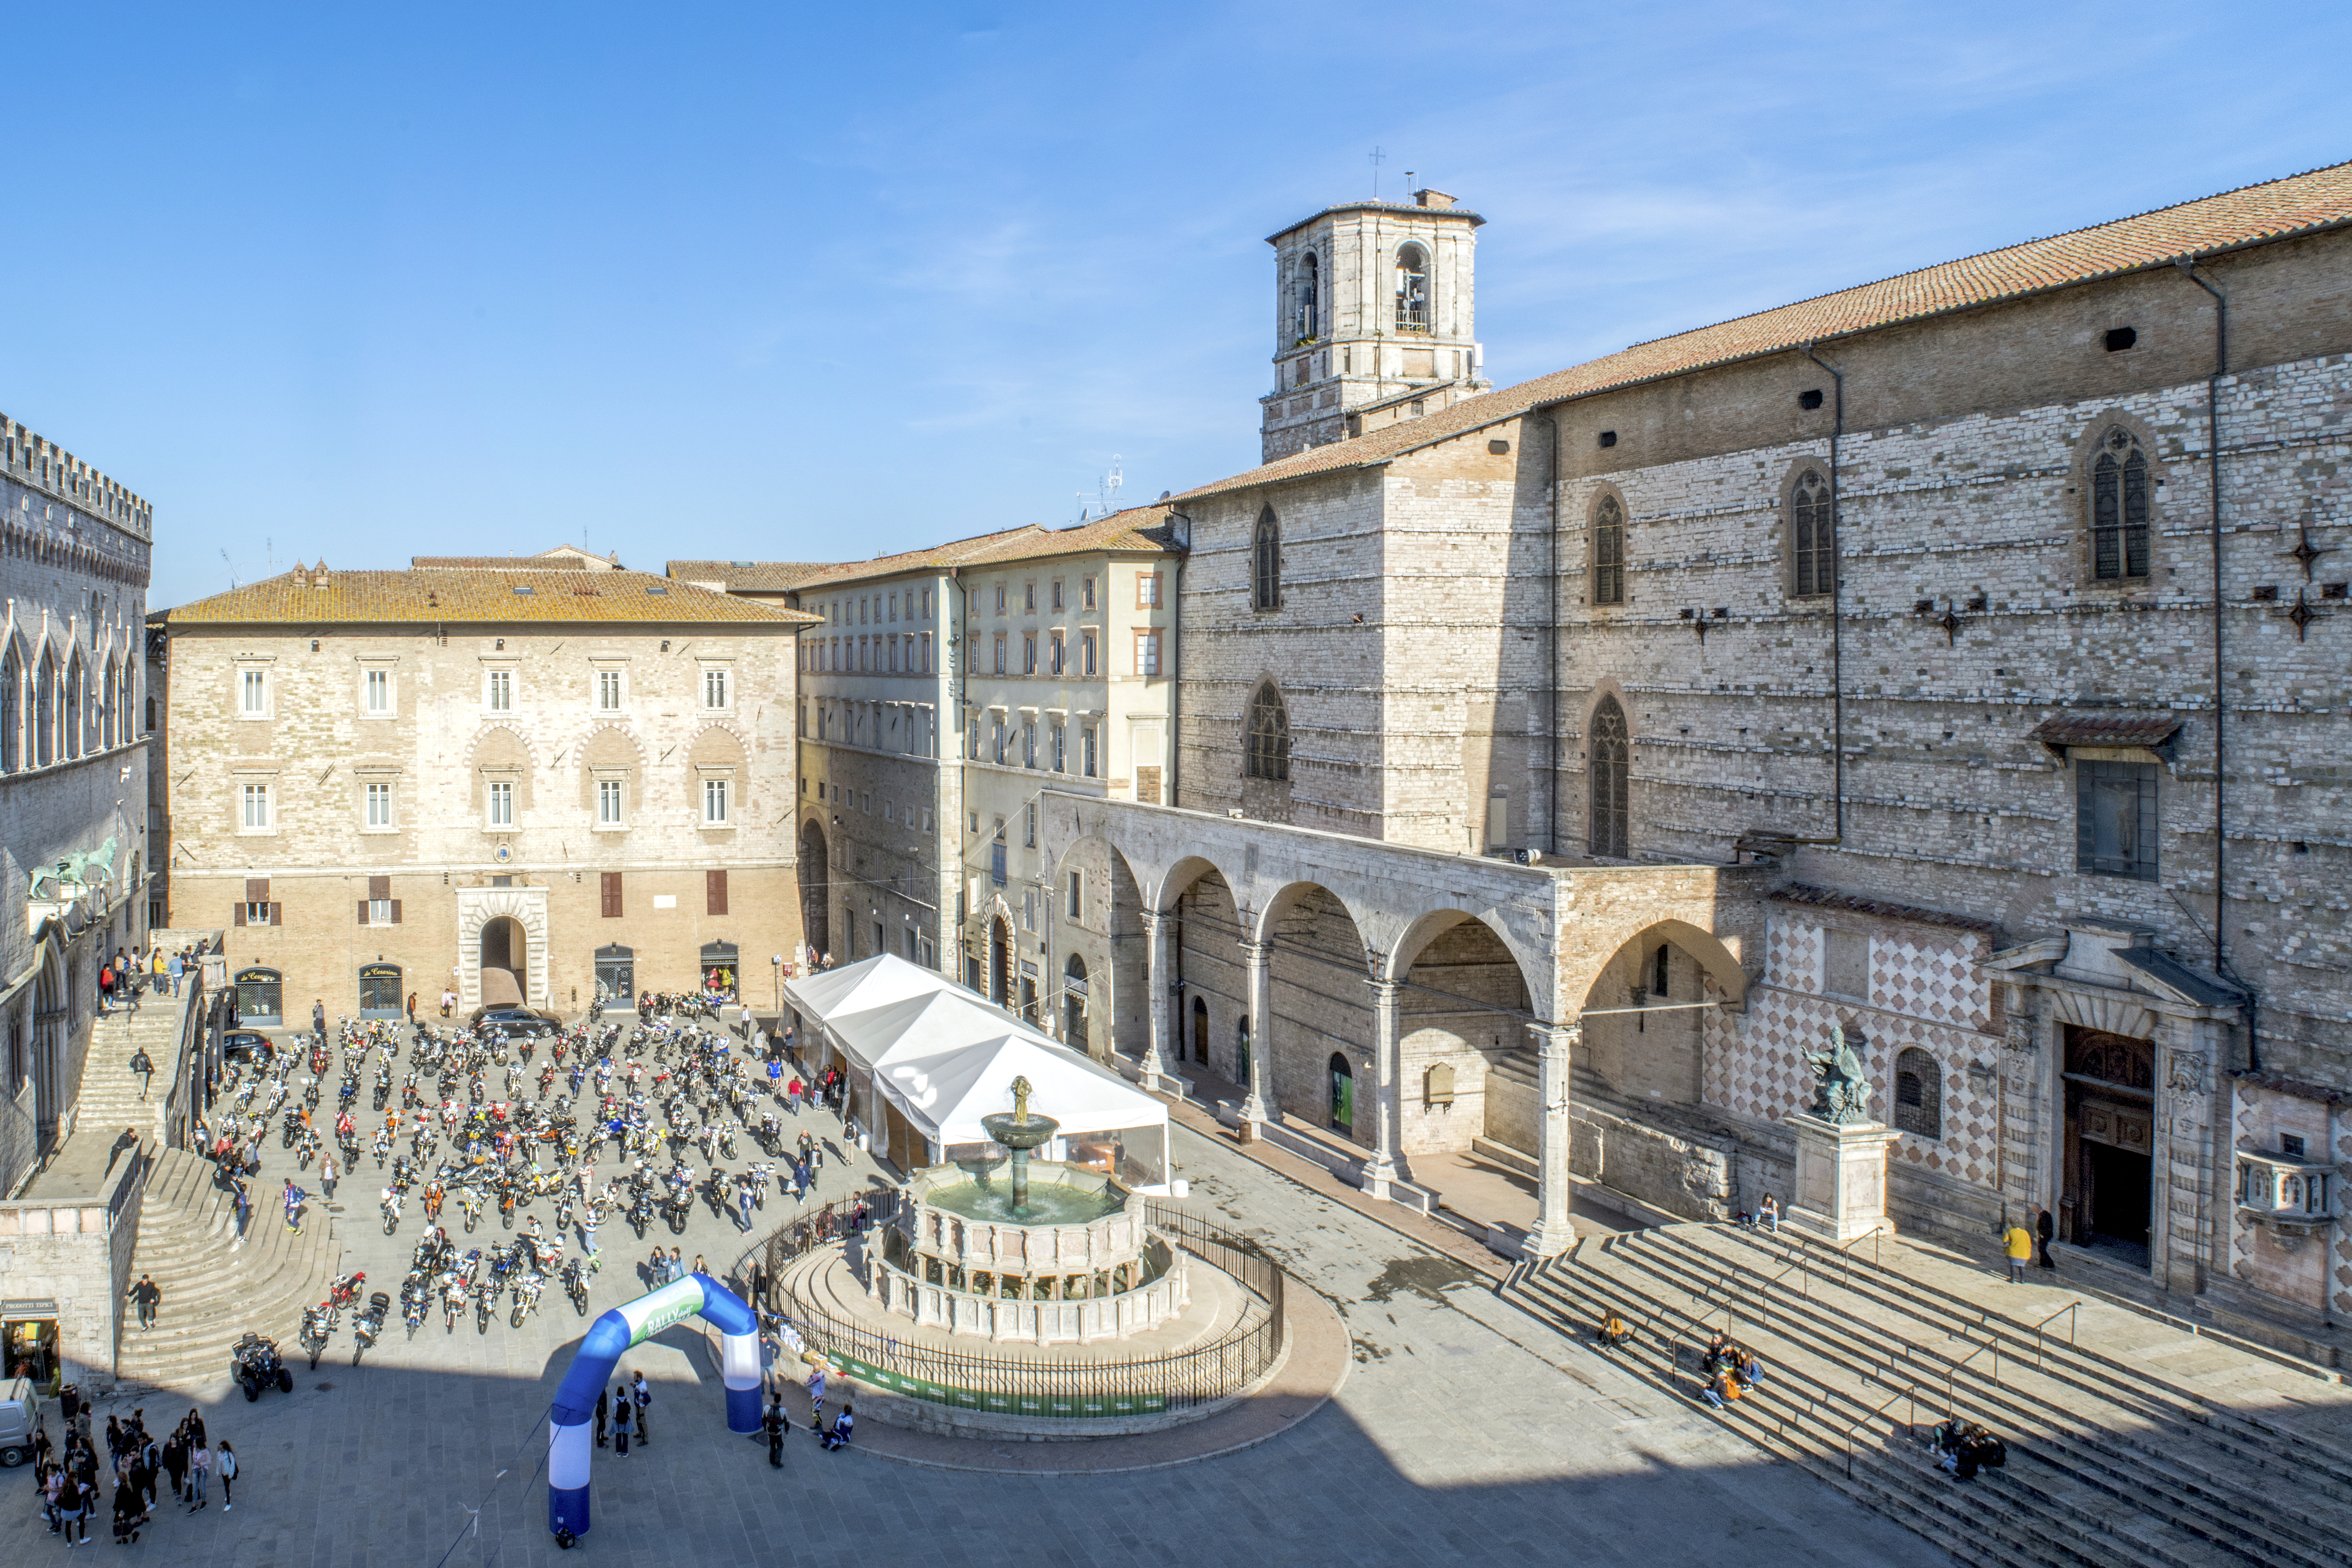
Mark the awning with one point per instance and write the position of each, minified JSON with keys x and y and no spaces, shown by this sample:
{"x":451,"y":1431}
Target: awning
{"x":947,"y":1095}
{"x":2143,"y":730}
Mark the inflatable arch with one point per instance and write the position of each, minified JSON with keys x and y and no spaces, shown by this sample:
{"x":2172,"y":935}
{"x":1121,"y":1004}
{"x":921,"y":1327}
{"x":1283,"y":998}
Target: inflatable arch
{"x":571,"y":1442}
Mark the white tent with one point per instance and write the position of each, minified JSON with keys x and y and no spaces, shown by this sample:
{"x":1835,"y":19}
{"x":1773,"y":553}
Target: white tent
{"x":942,"y":1056}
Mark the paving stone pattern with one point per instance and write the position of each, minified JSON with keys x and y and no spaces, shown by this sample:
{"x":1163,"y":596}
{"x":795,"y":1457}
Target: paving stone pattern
{"x":1466,"y":1431}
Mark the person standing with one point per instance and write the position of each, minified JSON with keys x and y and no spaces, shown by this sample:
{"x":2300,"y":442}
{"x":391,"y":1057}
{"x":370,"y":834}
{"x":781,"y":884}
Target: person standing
{"x":127,"y":1140}
{"x":179,"y":972}
{"x":816,"y":1399}
{"x":2047,"y":1230}
{"x":760,"y":1286}
{"x":774,"y":1425}
{"x":621,"y":1421}
{"x":448,"y":1001}
{"x":200,"y":1468}
{"x":226,"y":1463}
{"x":327,"y":1174}
{"x":176,"y":1464}
{"x":2021,"y":1252}
{"x":147,"y":1294}
{"x":601,"y":1410}
{"x":411,"y":1009}
{"x":644,"y":1396}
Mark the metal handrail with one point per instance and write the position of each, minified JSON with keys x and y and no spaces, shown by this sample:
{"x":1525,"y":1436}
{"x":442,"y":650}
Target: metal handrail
{"x":1908,"y":1391}
{"x":2041,"y":1328}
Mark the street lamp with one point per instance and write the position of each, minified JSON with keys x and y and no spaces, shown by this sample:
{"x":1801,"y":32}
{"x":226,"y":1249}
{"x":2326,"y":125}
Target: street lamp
{"x":777,"y":963}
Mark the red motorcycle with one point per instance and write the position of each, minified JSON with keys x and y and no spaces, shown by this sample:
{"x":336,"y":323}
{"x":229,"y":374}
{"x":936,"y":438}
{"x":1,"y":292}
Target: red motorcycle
{"x":346,"y":1289}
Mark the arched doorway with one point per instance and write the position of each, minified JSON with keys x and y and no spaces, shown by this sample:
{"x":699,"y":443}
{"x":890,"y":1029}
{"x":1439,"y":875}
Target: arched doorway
{"x":506,"y":979}
{"x":1074,"y":1005}
{"x":1000,"y":963}
{"x":1199,"y":1029}
{"x":380,"y":991}
{"x":1343,"y":1095}
{"x":2110,"y":1124}
{"x":817,"y":892}
{"x":260,"y":998}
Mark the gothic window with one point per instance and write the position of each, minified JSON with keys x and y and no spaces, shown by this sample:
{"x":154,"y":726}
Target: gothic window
{"x":12,"y":712}
{"x":2119,"y":486}
{"x":1812,"y":546}
{"x":1661,"y":970}
{"x":1310,"y":302}
{"x":1266,"y":564}
{"x":1609,"y":552}
{"x":1918,"y":1094}
{"x":1268,"y":749}
{"x":1412,"y":289}
{"x":1608,"y":761}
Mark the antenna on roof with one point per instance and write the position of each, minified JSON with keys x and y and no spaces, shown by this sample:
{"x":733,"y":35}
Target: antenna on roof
{"x":1111,"y":483}
{"x":232,"y":568}
{"x":1377,"y":158}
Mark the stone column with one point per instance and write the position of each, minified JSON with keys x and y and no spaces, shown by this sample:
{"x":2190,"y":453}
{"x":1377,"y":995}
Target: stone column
{"x":1554,"y":1233}
{"x":1380,"y":1170}
{"x":1257,"y":958}
{"x":1155,"y":967}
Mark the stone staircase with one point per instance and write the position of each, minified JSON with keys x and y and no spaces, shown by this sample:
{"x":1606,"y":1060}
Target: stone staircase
{"x":2114,"y":1461}
{"x":108,"y":1099}
{"x":216,"y":1286}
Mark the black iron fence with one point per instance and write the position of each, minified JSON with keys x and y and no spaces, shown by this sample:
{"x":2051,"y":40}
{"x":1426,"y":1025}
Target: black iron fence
{"x":1035,"y":1387}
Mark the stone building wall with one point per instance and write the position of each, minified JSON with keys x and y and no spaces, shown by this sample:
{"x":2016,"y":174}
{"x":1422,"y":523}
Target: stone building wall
{"x":317,"y":750}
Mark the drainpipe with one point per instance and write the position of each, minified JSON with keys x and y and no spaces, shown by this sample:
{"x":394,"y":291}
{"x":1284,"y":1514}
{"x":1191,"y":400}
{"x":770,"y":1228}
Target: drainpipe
{"x":1175,"y":653}
{"x":2220,"y":693}
{"x":1837,"y":594}
{"x":1551,"y":644}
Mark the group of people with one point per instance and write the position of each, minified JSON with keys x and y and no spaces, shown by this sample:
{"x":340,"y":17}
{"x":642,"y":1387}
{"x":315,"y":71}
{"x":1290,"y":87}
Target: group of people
{"x":72,"y":1481}
{"x":133,"y":971}
{"x":1731,"y":1372}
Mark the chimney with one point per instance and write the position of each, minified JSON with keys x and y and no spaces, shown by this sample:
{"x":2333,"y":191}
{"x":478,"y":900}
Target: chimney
{"x":1429,"y":199}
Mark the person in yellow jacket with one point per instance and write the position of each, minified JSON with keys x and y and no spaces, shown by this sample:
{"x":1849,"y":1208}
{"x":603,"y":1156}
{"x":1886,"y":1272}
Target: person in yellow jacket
{"x":2021,"y":1252}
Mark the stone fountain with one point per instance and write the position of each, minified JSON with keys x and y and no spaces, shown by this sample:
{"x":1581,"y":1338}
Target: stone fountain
{"x":1018,"y":1130}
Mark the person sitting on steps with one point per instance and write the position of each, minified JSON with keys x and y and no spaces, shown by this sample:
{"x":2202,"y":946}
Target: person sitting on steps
{"x":1613,"y":1332}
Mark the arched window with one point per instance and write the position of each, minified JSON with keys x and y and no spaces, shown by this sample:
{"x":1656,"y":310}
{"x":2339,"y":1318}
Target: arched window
{"x":1310,"y":299}
{"x":1919,"y":1093}
{"x":106,"y":712}
{"x":1343,"y":1094}
{"x":12,"y":712}
{"x":1661,"y":970}
{"x":1268,"y":749}
{"x":1266,"y":564}
{"x":2119,"y":508}
{"x":1412,"y":289}
{"x":44,"y":712}
{"x":1607,"y":760}
{"x":1200,"y":1030}
{"x":71,"y":718}
{"x":1609,"y":552}
{"x":1242,"y":1051}
{"x":1811,"y":549}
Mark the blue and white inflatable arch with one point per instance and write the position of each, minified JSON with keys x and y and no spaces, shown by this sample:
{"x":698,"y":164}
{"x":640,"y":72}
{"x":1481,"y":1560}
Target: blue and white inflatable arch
{"x":572,"y":1443}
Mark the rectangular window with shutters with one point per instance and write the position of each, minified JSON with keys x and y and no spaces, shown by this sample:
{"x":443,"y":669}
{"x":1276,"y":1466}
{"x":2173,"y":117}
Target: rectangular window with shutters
{"x":1086,"y":747}
{"x":1028,"y":745}
{"x":1055,"y":663}
{"x":256,"y":910}
{"x":1029,"y":653}
{"x":1147,"y":591}
{"x":1000,"y":653}
{"x":378,"y":912}
{"x":2114,"y":819}
{"x":611,"y":890}
{"x":1147,"y":653}
{"x":714,"y":892}
{"x":1061,"y":758}
{"x":1087,"y":660}
{"x":1087,"y":593}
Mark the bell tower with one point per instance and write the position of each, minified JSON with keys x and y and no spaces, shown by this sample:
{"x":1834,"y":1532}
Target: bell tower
{"x":1374,"y":320}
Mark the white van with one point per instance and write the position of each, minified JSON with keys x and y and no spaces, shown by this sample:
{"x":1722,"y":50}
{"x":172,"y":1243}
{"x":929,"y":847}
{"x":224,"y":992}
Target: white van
{"x":18,"y":1404}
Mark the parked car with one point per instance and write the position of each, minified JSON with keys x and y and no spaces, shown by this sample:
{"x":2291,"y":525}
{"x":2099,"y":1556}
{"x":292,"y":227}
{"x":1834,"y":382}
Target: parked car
{"x":245,"y":1045}
{"x":18,"y":1404}
{"x":517,"y":1021}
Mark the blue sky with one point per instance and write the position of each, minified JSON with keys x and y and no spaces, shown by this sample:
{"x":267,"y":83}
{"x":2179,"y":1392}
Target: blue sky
{"x":366,"y":282}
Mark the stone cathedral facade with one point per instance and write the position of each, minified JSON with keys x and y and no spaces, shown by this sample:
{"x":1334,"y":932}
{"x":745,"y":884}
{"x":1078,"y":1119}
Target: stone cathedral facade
{"x":1959,"y":659}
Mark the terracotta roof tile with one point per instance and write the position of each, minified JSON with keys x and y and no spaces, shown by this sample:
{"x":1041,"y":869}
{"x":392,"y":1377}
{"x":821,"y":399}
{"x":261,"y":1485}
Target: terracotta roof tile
{"x":747,"y":576}
{"x":1831,"y":898}
{"x":1141,"y":528}
{"x":511,"y":593}
{"x":563,"y":558}
{"x":2300,"y":203}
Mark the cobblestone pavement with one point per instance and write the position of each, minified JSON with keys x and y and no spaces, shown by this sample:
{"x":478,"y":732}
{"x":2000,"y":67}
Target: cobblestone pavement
{"x":1467,"y":1432}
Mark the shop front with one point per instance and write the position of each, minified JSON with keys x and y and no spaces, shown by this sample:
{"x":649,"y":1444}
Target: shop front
{"x":28,"y":1341}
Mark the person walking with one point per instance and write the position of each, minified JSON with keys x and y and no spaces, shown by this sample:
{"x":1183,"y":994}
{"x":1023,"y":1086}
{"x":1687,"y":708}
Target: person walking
{"x":145,"y":1067}
{"x":147,"y":1294}
{"x":773,"y":1424}
{"x":621,"y":1421}
{"x":2047,"y":1230}
{"x":816,"y":1399}
{"x":327,"y":1174}
{"x":179,"y":972}
{"x":319,"y":1019}
{"x":2021,"y":1252}
{"x":200,"y":1469}
{"x":176,"y":1464}
{"x":225,"y":1464}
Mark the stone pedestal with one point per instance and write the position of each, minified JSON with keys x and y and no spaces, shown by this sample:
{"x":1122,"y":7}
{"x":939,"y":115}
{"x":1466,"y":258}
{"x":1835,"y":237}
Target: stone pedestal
{"x":1841,"y":1178}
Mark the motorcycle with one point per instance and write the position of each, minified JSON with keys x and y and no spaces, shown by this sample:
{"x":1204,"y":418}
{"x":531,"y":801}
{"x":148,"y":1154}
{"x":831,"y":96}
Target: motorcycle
{"x":368,"y":1325}
{"x":316,"y":1326}
{"x":575,"y":1285}
{"x":346,"y":1289}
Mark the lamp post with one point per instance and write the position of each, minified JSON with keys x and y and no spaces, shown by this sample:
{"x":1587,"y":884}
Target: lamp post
{"x":777,"y":963}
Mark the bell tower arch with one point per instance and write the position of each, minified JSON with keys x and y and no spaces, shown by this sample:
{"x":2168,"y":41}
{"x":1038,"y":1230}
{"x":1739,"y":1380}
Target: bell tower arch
{"x":1375,"y":320}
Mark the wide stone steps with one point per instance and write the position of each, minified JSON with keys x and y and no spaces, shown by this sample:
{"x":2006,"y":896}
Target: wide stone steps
{"x":2072,"y":1425}
{"x":2098,"y":1473}
{"x":2212,"y":1450}
{"x":214,"y":1287}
